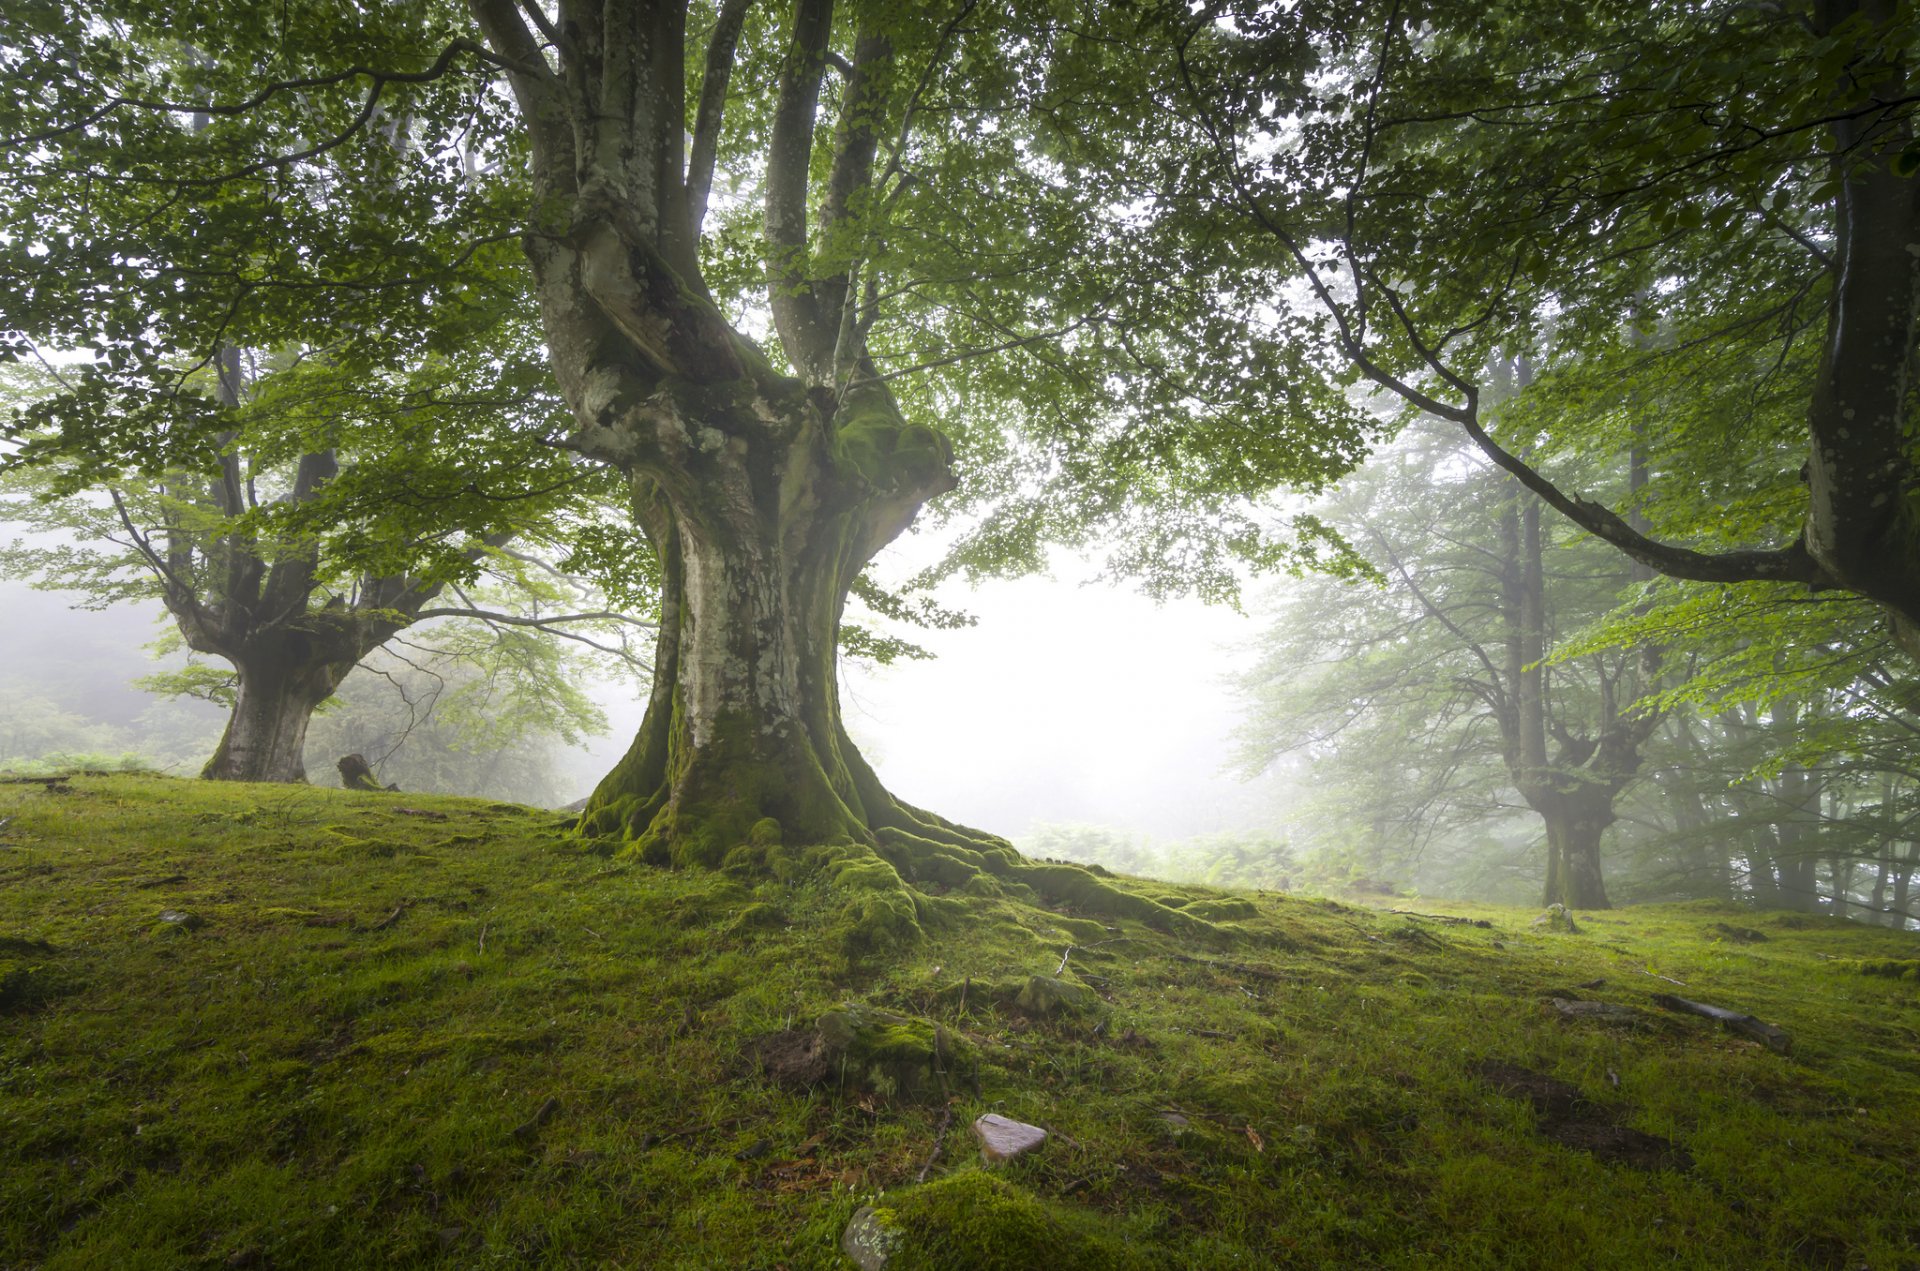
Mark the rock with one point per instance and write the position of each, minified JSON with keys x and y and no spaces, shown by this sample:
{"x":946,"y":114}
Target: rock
{"x":180,"y":918}
{"x":868,"y":1240}
{"x":1177,"y":1122}
{"x":1604,"y":1012}
{"x":1557,"y":918}
{"x":1044,"y":995}
{"x":1002,"y":1138}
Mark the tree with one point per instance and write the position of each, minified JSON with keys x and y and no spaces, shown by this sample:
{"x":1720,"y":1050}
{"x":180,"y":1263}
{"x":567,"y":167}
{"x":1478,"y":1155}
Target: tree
{"x":292,"y":562}
{"x":1440,"y":181}
{"x":891,"y":189}
{"x":1457,"y":660}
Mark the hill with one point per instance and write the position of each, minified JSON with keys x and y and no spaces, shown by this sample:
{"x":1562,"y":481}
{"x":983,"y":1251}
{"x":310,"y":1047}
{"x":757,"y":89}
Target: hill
{"x":257,"y":1026}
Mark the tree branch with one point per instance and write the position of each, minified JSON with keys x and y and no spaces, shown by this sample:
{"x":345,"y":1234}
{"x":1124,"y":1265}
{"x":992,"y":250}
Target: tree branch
{"x":721,"y":47}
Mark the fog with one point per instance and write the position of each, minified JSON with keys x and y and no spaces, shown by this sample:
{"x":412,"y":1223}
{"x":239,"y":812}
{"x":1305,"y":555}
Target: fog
{"x":1070,"y":701}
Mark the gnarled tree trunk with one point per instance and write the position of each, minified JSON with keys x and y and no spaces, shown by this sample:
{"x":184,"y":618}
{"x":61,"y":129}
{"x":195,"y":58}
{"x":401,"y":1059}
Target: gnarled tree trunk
{"x":275,"y":694}
{"x":796,"y":491}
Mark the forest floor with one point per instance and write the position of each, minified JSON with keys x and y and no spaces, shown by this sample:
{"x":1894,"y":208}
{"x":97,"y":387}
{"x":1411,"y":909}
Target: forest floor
{"x":252,"y":1026}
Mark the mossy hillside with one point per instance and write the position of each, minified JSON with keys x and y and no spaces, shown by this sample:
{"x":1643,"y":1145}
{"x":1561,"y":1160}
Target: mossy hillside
{"x":488,"y":1045}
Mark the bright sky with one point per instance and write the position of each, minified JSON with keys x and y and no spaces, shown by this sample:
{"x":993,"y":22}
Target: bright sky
{"x":1067,"y":702}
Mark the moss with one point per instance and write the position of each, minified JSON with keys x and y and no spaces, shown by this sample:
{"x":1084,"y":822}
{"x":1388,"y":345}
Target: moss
{"x":315,"y":1093}
{"x":1072,"y":885}
{"x":1044,"y":995}
{"x":764,"y":833}
{"x":871,"y":439}
{"x":984,"y":1222}
{"x":1223,"y":909}
{"x":757,"y":917}
{"x":1891,"y":968}
{"x":895,"y":1055}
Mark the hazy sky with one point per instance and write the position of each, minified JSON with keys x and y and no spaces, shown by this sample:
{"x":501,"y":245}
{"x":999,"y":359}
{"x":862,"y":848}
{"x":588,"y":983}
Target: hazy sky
{"x":1066,"y":702}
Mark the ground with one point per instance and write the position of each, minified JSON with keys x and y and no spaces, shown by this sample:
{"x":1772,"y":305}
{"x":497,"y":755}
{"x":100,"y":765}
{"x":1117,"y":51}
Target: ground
{"x":254,"y":1026}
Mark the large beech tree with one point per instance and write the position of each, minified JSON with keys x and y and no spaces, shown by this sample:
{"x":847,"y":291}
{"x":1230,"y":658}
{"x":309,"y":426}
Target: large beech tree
{"x":800,"y":268}
{"x":763,"y":492}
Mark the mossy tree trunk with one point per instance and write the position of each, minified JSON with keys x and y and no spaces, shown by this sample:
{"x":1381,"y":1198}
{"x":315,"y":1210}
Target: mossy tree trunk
{"x":275,"y":695}
{"x":1575,"y":824}
{"x":771,"y":509}
{"x":763,"y":489}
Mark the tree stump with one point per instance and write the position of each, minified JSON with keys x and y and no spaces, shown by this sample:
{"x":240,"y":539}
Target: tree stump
{"x":357,"y":774}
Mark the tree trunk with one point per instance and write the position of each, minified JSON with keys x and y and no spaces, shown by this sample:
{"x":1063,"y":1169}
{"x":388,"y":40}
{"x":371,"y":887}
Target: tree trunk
{"x":1574,"y":830}
{"x":1902,"y":880}
{"x":266,"y":734}
{"x":1796,"y":835}
{"x":760,"y":540}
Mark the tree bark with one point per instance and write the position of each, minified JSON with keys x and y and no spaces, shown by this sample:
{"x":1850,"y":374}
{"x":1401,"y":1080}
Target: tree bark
{"x":742,"y":741}
{"x":1575,"y":824}
{"x":276,"y":694}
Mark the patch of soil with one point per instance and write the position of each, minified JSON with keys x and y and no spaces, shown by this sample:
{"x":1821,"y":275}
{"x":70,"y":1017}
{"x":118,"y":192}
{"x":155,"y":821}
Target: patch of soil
{"x":1551,"y":1098}
{"x":1569,"y":1119}
{"x":793,"y":1058}
{"x":1618,"y":1145}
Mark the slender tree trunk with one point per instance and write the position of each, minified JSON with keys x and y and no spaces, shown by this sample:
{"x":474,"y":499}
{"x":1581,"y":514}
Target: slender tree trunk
{"x":266,"y":735}
{"x":1882,"y":875}
{"x":1902,"y":880}
{"x":1796,"y":840}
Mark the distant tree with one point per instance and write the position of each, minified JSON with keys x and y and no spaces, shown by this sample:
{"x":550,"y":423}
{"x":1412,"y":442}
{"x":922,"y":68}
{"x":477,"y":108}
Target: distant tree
{"x":291,"y":561}
{"x":1454,"y":656}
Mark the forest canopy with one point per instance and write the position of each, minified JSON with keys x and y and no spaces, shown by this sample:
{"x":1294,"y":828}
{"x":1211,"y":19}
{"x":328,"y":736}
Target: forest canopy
{"x":703,"y":304}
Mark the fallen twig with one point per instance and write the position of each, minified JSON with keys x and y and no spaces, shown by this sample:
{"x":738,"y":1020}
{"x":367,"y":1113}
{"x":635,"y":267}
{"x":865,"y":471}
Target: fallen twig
{"x":1775,"y":1039}
{"x":542,"y":1115}
{"x":393,"y":917}
{"x":939,"y":1142}
{"x":1656,"y":975}
{"x":483,"y":937}
{"x":1463,"y":922}
{"x":1059,"y":970}
{"x":48,"y":782}
{"x":429,"y":815}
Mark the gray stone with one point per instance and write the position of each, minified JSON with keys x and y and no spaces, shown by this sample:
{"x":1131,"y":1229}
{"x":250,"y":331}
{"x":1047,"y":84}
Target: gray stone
{"x":869,"y":1241}
{"x":1604,"y":1012}
{"x":1002,"y":1138}
{"x":178,"y":918}
{"x":1557,"y":918}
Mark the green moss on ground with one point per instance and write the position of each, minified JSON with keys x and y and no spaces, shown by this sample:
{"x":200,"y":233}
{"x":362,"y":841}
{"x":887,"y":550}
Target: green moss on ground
{"x":491,"y":1046}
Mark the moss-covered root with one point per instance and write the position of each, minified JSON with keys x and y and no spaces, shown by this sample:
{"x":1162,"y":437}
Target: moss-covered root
{"x":993,"y":868}
{"x":981,"y":1221}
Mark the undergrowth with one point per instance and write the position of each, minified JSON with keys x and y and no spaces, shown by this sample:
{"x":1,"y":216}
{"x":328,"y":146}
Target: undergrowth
{"x":253,"y":1026}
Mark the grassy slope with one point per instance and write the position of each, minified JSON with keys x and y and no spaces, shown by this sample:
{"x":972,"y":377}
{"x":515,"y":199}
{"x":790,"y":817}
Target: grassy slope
{"x":299,"y":1082}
